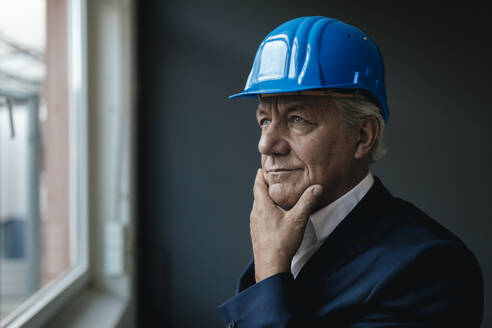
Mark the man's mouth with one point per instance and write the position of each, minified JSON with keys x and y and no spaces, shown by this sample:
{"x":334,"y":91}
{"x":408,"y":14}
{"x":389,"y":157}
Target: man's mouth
{"x":278,"y":170}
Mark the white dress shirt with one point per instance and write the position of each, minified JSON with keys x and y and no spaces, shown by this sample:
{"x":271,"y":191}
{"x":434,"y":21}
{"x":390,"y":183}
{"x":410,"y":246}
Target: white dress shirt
{"x":322,"y":222}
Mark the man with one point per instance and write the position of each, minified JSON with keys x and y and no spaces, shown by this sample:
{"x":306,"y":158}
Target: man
{"x":332,"y":247}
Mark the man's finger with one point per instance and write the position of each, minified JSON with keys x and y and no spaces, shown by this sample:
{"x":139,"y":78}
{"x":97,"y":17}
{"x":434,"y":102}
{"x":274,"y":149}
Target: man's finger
{"x":260,"y":189}
{"x":306,"y":203}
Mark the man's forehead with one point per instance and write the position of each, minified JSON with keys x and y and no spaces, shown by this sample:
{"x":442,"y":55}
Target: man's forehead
{"x":291,"y":102}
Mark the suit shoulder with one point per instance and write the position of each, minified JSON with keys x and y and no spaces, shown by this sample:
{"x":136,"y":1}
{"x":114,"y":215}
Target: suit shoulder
{"x":414,"y":233}
{"x":414,"y":225}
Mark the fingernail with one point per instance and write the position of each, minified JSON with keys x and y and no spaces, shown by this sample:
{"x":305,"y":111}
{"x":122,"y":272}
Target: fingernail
{"x":317,"y":190}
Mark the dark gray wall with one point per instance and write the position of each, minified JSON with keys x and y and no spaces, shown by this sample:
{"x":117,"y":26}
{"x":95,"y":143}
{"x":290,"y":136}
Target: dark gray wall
{"x":197,"y":150}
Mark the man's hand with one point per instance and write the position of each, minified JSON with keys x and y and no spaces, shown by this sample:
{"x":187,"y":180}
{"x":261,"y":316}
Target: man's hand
{"x":276,"y":234}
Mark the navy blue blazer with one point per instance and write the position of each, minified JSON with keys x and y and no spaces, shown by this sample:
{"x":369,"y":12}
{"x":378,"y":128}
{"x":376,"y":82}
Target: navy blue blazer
{"x":387,"y":264}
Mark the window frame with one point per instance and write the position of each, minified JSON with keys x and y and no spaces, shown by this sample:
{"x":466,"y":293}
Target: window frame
{"x":108,"y":81}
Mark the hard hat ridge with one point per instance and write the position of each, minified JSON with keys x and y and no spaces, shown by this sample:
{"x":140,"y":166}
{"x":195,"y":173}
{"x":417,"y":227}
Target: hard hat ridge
{"x":317,"y":52}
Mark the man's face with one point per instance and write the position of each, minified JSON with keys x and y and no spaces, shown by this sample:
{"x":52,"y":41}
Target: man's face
{"x":304,"y":141}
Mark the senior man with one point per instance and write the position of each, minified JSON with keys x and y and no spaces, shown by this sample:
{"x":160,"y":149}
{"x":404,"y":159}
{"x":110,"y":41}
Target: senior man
{"x":332,"y":247}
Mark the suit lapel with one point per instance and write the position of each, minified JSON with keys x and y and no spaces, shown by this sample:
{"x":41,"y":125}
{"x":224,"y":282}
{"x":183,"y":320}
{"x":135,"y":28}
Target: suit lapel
{"x":363,"y":225}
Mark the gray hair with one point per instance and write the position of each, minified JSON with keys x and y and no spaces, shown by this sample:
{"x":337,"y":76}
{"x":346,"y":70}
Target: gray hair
{"x":354,"y":110}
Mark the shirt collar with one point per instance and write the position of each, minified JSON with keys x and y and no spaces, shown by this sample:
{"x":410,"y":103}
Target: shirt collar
{"x":326,"y":219}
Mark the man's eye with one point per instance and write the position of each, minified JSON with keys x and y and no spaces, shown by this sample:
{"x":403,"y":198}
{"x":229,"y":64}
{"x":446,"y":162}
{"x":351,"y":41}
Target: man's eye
{"x":264,"y":121}
{"x":298,"y":119}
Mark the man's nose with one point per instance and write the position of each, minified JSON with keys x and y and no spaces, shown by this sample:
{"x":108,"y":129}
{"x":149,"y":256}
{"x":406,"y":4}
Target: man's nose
{"x":273,"y":141}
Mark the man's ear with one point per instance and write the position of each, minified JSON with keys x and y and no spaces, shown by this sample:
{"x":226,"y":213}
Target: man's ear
{"x":368,"y":132}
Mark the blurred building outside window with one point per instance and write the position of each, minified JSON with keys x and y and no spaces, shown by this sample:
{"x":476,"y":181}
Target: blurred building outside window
{"x":40,"y":148}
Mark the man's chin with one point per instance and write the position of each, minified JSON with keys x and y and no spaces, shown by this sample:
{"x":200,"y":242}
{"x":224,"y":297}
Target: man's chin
{"x":282,"y":198}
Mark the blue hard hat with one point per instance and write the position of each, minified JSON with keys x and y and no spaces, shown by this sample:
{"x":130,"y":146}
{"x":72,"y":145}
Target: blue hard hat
{"x":317,"y":53}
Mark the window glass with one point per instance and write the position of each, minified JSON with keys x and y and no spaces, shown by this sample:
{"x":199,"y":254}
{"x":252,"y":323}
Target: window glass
{"x":35,"y":141}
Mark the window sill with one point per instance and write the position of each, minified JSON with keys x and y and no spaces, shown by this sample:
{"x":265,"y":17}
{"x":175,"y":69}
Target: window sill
{"x":92,"y":308}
